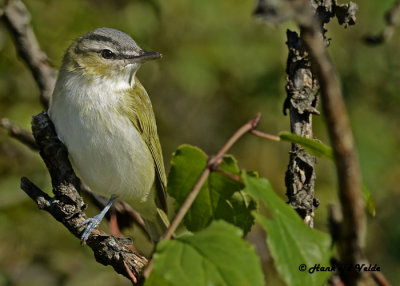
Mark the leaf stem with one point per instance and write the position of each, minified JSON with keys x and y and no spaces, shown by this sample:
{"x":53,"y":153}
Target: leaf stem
{"x":265,"y":135}
{"x":186,"y":205}
{"x":228,"y":174}
{"x":213,"y":163}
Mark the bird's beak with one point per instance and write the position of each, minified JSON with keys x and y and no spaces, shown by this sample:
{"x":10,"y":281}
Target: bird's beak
{"x":145,"y":56}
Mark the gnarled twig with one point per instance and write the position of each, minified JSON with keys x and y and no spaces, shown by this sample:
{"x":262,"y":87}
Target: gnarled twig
{"x":67,"y":206}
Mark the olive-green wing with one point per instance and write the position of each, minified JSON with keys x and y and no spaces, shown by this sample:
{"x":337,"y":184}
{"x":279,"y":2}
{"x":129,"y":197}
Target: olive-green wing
{"x":141,"y":113}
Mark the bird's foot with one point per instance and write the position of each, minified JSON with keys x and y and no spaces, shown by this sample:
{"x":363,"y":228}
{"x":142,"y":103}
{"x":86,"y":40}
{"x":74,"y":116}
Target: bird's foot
{"x":93,"y":222}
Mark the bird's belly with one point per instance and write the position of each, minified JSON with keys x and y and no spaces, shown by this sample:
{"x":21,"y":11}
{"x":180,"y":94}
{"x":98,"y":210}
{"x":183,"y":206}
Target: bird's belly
{"x":112,"y":160}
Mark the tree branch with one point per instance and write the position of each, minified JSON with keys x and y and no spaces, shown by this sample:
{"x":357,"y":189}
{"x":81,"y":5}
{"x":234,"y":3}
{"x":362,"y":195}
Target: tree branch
{"x":311,"y":25}
{"x":67,"y":206}
{"x":17,"y":19}
{"x":17,"y":132}
{"x":347,"y":167}
{"x":301,"y":90}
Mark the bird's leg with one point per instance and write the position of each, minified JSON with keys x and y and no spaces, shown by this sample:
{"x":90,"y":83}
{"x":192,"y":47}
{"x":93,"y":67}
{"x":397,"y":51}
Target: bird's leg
{"x":114,"y":227}
{"x":93,"y":222}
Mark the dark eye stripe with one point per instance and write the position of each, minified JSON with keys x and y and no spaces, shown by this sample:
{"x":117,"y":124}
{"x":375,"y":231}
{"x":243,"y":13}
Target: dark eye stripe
{"x":118,"y":56}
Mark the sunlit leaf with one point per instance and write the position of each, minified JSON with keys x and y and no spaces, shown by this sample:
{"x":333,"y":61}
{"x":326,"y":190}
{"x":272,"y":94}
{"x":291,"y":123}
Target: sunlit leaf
{"x":216,"y":255}
{"x":291,"y":242}
{"x":220,"y":198}
{"x":312,"y":146}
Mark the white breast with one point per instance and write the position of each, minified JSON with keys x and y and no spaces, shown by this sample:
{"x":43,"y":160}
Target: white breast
{"x":105,"y":148}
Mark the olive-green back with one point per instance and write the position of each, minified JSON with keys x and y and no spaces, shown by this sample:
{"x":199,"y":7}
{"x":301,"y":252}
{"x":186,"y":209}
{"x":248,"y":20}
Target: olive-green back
{"x":140,"y":111}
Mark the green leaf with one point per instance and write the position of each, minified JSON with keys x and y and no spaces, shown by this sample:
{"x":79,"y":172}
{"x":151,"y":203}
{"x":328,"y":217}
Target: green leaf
{"x":220,"y":197}
{"x":216,"y":255}
{"x":290,"y":241}
{"x":312,"y":146}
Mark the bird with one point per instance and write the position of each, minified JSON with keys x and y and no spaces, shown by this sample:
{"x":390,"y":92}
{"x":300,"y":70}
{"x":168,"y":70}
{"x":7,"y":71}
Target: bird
{"x":104,"y":117}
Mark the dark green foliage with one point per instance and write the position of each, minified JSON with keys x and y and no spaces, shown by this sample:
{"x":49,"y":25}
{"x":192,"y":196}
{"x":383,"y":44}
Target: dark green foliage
{"x":220,"y":197}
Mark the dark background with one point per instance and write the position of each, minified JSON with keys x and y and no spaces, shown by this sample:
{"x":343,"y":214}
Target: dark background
{"x":220,"y":67}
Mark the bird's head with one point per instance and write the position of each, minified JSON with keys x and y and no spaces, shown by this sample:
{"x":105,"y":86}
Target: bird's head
{"x":106,"y":52}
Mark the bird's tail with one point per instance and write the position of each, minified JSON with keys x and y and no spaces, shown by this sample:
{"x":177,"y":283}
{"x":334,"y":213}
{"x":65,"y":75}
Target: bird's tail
{"x":157,"y":227}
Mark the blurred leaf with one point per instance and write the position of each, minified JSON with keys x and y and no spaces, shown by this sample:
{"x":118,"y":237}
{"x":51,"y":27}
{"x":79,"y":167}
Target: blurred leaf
{"x":274,"y":11}
{"x":216,"y":255}
{"x":312,"y":146}
{"x":290,"y":241}
{"x":220,"y":197}
{"x":369,"y":200}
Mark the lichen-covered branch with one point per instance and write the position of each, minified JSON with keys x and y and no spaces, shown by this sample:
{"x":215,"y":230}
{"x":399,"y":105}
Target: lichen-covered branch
{"x":351,"y":229}
{"x":302,"y":91}
{"x":301,"y":101}
{"x":67,"y":206}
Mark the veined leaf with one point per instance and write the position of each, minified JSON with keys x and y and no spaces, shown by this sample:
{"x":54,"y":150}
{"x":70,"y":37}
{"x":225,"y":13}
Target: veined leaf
{"x":220,"y":198}
{"x":216,"y":255}
{"x":290,"y":241}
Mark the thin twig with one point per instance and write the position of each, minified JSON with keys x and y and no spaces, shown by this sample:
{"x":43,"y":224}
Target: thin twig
{"x":265,"y":135}
{"x":252,"y":124}
{"x":130,"y":274}
{"x":213,"y":163}
{"x":17,"y":19}
{"x":187,"y":204}
{"x":229,"y":175}
{"x":17,"y":132}
{"x":380,"y":279}
{"x":347,"y":167}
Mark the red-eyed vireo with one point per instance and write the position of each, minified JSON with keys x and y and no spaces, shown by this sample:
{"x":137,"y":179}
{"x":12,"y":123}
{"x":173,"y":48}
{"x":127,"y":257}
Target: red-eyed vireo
{"x":104,"y":116}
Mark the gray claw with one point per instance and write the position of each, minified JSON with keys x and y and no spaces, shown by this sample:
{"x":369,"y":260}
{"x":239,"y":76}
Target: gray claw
{"x":93,"y":222}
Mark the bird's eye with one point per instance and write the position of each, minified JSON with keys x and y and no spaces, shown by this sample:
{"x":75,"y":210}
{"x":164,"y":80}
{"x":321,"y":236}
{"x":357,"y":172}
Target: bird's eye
{"x":107,"y":54}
